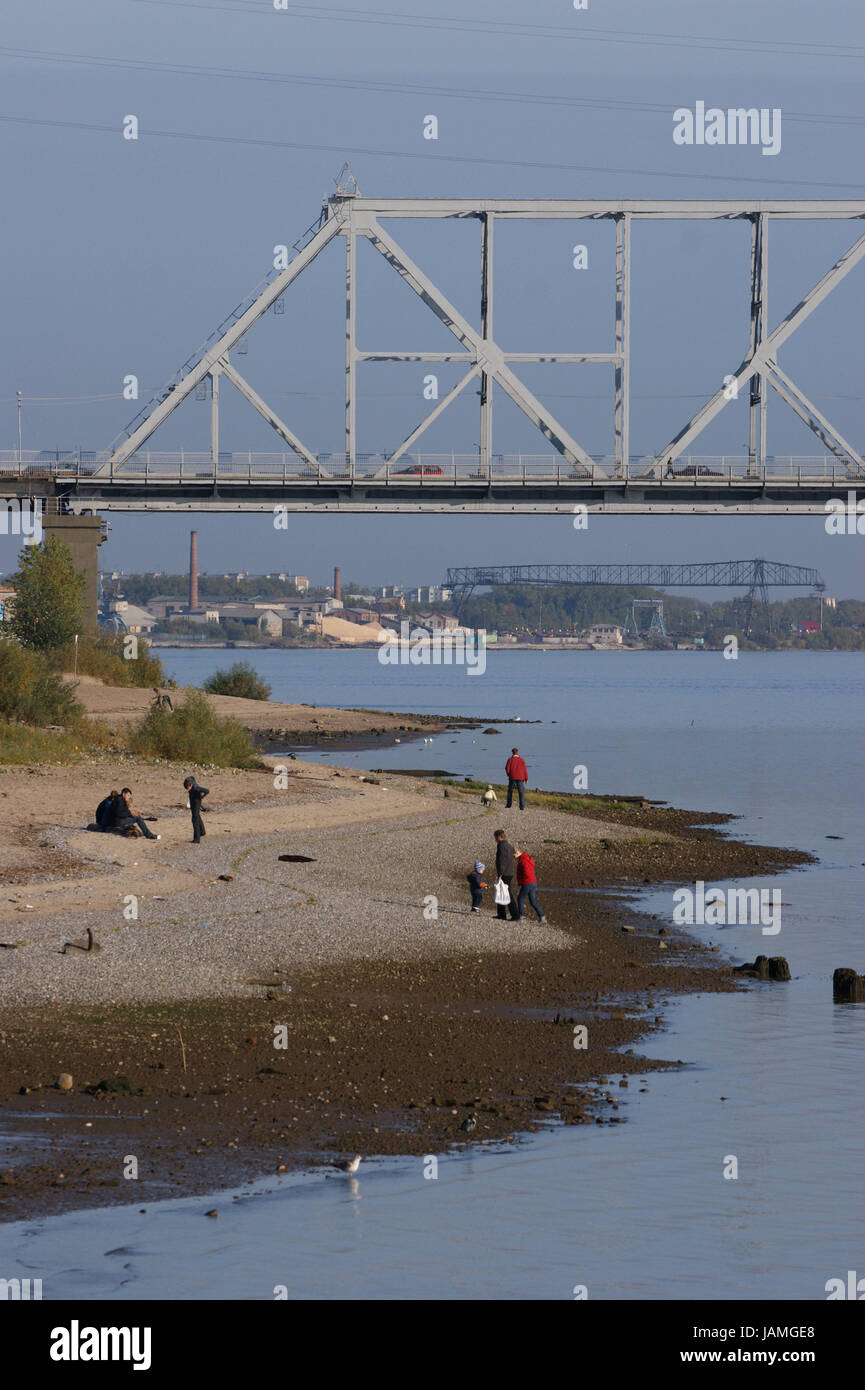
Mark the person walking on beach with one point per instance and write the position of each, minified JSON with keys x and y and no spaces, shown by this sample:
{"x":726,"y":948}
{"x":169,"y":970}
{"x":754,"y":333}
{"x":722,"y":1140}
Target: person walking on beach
{"x":518,"y":775}
{"x":505,"y":874}
{"x":477,"y":886}
{"x":195,"y":794}
{"x":126,"y":816}
{"x":527,"y":884}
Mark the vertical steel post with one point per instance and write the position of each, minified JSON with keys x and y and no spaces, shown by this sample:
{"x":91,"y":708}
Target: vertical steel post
{"x":623,"y":343}
{"x":350,"y":348}
{"x":764,"y":326}
{"x":754,"y":384}
{"x":486,"y":439}
{"x":759,"y":332}
{"x":214,"y":419}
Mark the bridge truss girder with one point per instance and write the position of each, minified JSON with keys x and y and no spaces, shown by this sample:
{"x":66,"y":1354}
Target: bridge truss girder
{"x":757,"y":576}
{"x":706,"y":574}
{"x":349,"y":215}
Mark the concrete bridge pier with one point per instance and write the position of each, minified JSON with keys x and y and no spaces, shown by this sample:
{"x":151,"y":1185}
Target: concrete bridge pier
{"x":82,"y":536}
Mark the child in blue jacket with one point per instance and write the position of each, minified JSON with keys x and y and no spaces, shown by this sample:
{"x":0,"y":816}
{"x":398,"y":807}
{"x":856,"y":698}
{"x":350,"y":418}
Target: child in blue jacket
{"x":477,"y":886}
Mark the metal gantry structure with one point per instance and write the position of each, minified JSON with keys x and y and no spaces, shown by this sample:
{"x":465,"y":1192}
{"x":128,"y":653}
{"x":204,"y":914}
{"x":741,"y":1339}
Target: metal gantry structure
{"x":656,"y":618}
{"x":355,"y":481}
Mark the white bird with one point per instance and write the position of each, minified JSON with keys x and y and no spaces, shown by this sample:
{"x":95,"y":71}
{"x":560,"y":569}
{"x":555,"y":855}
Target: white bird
{"x":397,"y":740}
{"x":348,"y":1165}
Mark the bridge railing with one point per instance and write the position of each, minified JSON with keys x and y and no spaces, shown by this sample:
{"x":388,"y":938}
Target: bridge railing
{"x":433,"y":470}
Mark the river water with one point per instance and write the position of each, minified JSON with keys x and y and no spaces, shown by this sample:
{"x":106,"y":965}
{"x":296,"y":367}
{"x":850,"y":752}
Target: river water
{"x":642,"y":1210}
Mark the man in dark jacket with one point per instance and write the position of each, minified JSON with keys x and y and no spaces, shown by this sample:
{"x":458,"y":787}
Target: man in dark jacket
{"x":126,"y":816}
{"x":195,"y":794}
{"x":505,"y":872}
{"x":518,"y":775}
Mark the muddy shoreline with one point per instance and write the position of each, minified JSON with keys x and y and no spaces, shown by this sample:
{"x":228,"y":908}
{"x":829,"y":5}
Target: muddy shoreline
{"x":386,"y":1056}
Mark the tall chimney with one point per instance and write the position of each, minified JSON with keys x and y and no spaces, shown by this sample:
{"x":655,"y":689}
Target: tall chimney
{"x":193,"y":570}
{"x":337,"y":584}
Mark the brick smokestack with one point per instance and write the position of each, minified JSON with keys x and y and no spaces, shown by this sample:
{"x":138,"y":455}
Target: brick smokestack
{"x":193,"y":570}
{"x":337,"y":585}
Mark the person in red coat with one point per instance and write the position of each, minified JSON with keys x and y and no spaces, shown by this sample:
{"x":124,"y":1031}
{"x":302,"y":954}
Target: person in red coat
{"x":518,"y":775}
{"x":527,"y":884}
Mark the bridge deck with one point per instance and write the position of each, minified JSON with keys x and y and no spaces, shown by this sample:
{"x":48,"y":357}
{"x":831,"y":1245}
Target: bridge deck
{"x":189,"y":481}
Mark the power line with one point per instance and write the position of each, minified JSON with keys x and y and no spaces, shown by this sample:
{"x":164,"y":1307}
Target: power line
{"x":509,"y":29}
{"x":379,"y":88}
{"x":66,"y":400}
{"x":342,"y":150}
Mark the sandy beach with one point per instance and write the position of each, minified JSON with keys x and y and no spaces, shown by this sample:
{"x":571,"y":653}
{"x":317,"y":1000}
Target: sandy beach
{"x":243,"y":1013}
{"x":120,"y":706}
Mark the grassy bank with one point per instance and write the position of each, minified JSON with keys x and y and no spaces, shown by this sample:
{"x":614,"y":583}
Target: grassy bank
{"x":194,"y":733}
{"x":574,"y":803}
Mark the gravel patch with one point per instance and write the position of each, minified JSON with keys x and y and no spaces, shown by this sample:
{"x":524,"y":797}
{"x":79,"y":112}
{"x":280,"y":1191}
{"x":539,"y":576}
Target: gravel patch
{"x":363,"y":897}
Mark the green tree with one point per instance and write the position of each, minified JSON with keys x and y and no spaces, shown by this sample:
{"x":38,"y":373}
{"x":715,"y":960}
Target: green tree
{"x":31,"y":691}
{"x":49,"y":597}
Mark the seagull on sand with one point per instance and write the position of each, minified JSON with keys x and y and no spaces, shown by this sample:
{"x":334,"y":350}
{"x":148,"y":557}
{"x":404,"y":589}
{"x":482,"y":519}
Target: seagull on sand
{"x":348,"y":1165}
{"x":469,"y":1124}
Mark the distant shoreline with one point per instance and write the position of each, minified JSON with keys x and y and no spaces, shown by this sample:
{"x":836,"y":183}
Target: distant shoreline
{"x":505,"y":647}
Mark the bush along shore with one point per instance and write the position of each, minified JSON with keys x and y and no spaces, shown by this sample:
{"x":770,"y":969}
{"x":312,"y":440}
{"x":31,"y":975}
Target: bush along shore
{"x":298,"y":1000}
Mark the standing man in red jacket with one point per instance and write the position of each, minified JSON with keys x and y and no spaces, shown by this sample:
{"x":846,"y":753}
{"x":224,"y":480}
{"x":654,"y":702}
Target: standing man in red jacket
{"x":518,"y":775}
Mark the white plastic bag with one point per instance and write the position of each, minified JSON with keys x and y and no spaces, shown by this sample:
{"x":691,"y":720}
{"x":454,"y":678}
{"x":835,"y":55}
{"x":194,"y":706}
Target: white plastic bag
{"x":503,"y":893}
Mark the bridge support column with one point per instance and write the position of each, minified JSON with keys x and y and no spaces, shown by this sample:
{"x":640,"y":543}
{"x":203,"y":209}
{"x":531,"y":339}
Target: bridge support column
{"x":623,"y":344}
{"x":759,"y":321}
{"x":486,"y":438}
{"x":82,"y":536}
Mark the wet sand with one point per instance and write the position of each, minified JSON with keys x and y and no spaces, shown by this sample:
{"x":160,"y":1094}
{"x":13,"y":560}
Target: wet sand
{"x":315,"y":1011}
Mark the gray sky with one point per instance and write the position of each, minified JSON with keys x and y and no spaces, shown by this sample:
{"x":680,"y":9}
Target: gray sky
{"x":121,"y":256}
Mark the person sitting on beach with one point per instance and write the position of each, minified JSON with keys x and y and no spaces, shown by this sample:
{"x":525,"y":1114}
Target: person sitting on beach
{"x":105,"y":811}
{"x":489,"y":797}
{"x":527,"y":884}
{"x":477,"y":886}
{"x":126,"y":817}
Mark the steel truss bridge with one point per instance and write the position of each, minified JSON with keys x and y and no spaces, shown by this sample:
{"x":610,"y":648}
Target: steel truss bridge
{"x":710,"y":574}
{"x":757,"y":576}
{"x":671,"y":477}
